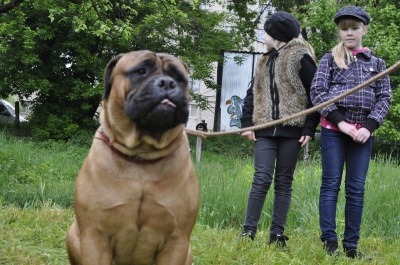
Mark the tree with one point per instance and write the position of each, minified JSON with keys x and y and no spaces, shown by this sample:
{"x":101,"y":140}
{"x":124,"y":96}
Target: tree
{"x":57,"y":50}
{"x":9,"y":5}
{"x":383,"y":39}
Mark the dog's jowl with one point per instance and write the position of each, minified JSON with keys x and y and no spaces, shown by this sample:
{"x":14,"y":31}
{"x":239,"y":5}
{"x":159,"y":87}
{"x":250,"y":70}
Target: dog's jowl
{"x":136,"y":195}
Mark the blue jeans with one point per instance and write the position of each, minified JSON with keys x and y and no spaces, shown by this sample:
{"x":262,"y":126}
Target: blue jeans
{"x":272,"y":155}
{"x":338,"y":148}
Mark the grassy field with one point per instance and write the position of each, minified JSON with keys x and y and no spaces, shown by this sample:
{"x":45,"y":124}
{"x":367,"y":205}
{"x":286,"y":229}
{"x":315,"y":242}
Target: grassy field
{"x":36,"y":194}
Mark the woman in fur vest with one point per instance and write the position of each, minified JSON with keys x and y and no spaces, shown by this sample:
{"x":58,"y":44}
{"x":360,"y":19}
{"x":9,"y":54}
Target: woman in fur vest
{"x":280,"y":88}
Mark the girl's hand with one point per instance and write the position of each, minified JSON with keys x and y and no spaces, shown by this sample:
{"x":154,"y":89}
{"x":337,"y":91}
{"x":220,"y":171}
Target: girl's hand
{"x":362,"y":135}
{"x":348,"y":129}
{"x":305,"y":139}
{"x":250,"y":135}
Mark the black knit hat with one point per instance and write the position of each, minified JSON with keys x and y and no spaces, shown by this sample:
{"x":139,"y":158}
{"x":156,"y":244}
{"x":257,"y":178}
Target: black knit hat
{"x":353,"y":12}
{"x":282,"y":26}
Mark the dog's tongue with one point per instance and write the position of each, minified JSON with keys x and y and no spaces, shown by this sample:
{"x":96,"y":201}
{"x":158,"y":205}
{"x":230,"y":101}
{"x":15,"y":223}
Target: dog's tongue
{"x":168,"y":102}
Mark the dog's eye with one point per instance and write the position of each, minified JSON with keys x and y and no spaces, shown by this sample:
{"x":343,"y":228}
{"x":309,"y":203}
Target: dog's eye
{"x":179,"y":78}
{"x":141,"y":71}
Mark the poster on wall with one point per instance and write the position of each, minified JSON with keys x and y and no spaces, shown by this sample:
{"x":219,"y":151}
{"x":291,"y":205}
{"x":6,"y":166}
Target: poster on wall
{"x":235,"y":105}
{"x":236,"y":79}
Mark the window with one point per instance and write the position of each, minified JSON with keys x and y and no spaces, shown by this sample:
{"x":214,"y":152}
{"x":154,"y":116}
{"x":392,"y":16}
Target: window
{"x":229,"y":7}
{"x":266,"y":9}
{"x":228,"y":28}
{"x":193,"y":111}
{"x":205,"y":6}
{"x":194,"y":84}
{"x":260,"y":35}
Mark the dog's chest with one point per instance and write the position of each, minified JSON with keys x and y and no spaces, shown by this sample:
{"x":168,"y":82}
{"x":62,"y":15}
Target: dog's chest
{"x":141,"y":228}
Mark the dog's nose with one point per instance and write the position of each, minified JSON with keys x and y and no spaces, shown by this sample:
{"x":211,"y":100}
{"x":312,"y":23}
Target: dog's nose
{"x":166,"y":83}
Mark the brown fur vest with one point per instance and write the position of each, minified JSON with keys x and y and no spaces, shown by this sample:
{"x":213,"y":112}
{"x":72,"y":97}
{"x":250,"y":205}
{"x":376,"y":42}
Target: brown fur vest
{"x":292,"y":94}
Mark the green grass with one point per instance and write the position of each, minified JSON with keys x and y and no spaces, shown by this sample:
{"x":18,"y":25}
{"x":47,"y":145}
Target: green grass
{"x":38,"y":171}
{"x":35,"y":235}
{"x":36,"y":195}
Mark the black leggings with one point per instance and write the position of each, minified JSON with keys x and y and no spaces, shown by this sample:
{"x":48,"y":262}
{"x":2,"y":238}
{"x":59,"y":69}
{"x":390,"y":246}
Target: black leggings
{"x":272,"y":155}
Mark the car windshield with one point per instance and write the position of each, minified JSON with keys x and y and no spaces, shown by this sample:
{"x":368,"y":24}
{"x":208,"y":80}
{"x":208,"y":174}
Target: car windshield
{"x":10,"y":109}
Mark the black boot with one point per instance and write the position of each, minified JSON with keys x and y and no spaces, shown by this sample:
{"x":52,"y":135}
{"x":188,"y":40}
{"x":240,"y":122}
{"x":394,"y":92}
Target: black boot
{"x":249,"y":233}
{"x":330,"y":247}
{"x":353,"y":253}
{"x":279,"y":240}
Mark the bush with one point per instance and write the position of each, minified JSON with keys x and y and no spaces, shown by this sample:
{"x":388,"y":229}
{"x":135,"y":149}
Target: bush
{"x":230,"y":145}
{"x":237,"y":146}
{"x":24,"y":129}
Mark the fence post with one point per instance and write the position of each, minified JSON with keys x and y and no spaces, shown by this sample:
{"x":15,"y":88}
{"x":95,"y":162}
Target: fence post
{"x":198,"y":148}
{"x":17,"y":114}
{"x":306,"y":153}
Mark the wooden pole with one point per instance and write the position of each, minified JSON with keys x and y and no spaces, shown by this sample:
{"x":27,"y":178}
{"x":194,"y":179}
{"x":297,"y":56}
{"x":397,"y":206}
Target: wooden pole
{"x":17,"y":114}
{"x":198,"y":148}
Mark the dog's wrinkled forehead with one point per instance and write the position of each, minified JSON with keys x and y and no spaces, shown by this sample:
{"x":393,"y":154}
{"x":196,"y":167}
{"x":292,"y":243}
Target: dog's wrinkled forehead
{"x":172,"y":61}
{"x":154,"y":63}
{"x":137,"y":61}
{"x":161,"y":60}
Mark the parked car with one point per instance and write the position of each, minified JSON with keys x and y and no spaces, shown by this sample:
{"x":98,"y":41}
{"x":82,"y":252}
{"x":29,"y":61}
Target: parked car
{"x":7,"y":112}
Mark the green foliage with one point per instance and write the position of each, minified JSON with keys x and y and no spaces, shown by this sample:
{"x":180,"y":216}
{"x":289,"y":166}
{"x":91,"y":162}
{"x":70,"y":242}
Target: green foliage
{"x":38,"y":171}
{"x":229,"y":145}
{"x":317,"y":19}
{"x":383,"y":37}
{"x":58,"y":64}
{"x":57,"y":50}
{"x":24,"y":129}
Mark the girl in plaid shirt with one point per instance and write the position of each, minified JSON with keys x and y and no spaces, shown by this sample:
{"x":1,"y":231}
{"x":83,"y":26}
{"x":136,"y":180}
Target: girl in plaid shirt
{"x":348,"y":125}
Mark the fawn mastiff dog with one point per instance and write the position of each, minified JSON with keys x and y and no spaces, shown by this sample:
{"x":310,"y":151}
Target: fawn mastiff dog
{"x":137,"y":195}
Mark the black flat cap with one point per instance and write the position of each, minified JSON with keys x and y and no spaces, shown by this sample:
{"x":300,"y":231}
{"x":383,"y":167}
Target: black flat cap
{"x":354,"y":12}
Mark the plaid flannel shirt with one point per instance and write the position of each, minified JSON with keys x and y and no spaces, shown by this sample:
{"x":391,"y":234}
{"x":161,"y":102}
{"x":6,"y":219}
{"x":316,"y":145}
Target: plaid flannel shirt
{"x":370,"y":102}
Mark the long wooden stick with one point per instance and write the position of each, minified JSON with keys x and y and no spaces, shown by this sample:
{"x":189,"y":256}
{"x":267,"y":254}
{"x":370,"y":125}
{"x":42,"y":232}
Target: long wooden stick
{"x":302,"y":113}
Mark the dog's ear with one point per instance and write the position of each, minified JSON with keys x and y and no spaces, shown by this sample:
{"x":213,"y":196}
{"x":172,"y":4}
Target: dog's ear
{"x":185,"y":64}
{"x":108,"y":75}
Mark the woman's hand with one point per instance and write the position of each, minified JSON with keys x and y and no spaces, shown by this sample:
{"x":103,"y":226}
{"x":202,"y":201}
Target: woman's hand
{"x":304,"y":139}
{"x":348,"y":129}
{"x":362,"y":135}
{"x":250,"y":135}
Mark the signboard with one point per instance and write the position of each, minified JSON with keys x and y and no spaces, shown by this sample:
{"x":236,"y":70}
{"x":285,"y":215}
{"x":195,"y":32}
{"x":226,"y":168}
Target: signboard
{"x":236,"y":78}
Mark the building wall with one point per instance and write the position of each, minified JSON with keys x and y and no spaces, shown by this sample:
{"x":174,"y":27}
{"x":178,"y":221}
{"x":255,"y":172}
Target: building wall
{"x":196,"y":115}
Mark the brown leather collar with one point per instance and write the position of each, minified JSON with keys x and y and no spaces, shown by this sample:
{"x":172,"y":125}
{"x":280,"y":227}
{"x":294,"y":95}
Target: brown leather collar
{"x":133,"y":159}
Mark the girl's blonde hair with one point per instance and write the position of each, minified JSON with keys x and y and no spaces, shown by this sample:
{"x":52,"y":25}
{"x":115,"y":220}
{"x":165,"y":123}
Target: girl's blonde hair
{"x":341,"y":54}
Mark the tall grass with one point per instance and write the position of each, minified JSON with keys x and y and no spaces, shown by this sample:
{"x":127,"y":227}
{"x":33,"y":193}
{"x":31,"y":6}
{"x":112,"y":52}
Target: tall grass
{"x":36,"y":197}
{"x":38,"y":171}
{"x":225,"y":184}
